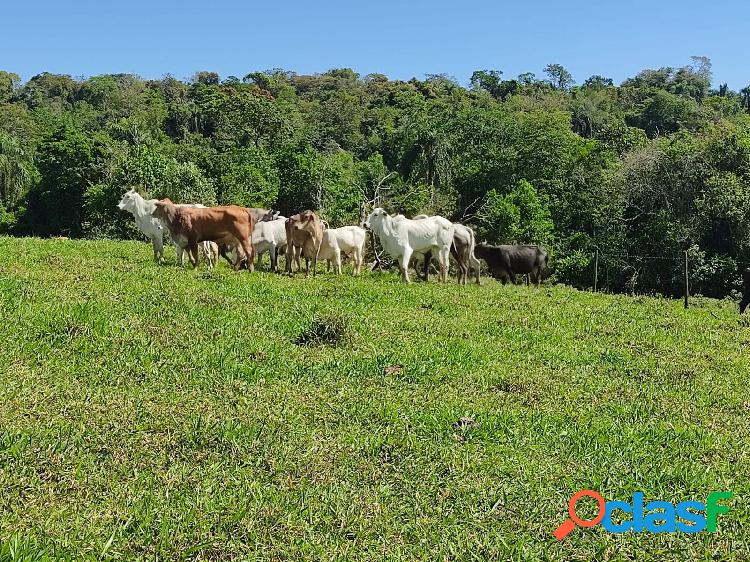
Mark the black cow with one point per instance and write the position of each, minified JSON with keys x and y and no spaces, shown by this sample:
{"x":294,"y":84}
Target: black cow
{"x":745,"y":290}
{"x":507,"y":261}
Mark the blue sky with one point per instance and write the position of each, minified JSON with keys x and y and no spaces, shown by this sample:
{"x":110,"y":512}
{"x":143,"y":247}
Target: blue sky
{"x":400,"y":39}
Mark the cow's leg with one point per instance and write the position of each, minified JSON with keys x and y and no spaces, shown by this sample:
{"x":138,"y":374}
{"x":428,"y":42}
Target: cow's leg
{"x":444,"y":256}
{"x":425,"y":275}
{"x":207,"y":253}
{"x":180,"y":252}
{"x":224,"y":252}
{"x":247,"y":246}
{"x":357,"y":261}
{"x":193,"y":253}
{"x":273,"y":252}
{"x":295,"y":258}
{"x":158,"y":243}
{"x":337,"y":261}
{"x":315,"y":258}
{"x":463,"y":266}
{"x":289,"y":256}
{"x":404,"y":263}
{"x":297,"y":252}
{"x":475,"y":265}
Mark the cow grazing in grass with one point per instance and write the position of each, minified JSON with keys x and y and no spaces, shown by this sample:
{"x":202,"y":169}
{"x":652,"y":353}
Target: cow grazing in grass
{"x":506,"y":261}
{"x":190,"y":226}
{"x":142,"y":211}
{"x":401,"y":237}
{"x":349,"y":240}
{"x":304,"y":235}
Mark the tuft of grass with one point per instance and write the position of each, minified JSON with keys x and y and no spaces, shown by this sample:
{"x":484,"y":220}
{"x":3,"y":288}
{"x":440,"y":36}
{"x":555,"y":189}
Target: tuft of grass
{"x":325,"y":329}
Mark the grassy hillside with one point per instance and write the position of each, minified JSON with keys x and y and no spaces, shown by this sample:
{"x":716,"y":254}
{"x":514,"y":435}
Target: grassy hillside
{"x":155,"y":411}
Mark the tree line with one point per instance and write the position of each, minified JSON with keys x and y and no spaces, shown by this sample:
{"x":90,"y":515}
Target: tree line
{"x":654,"y":166}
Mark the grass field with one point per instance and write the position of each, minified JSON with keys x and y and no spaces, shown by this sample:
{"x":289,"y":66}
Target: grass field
{"x":156,"y":412}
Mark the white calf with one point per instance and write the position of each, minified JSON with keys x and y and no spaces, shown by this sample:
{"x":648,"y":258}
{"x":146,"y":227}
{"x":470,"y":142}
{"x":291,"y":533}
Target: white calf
{"x":348,"y":239}
{"x":270,"y":236}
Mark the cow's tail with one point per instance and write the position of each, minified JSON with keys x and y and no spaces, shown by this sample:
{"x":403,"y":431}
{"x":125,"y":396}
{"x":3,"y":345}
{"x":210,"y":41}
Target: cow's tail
{"x":473,"y":261}
{"x":472,"y":243}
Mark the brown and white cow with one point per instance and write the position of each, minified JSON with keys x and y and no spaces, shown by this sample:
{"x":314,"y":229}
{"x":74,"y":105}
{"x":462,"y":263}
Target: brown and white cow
{"x":304,"y":234}
{"x":190,"y":226}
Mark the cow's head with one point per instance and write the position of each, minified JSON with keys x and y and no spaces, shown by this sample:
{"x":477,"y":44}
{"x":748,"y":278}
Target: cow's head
{"x":128,"y":201}
{"x":270,"y":215}
{"x":376,"y":217}
{"x":163,"y":209}
{"x":482,"y":250}
{"x":306,"y":218}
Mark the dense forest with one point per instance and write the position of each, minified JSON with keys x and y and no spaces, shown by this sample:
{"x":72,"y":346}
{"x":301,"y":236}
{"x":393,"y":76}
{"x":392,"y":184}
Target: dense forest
{"x":641,"y":171}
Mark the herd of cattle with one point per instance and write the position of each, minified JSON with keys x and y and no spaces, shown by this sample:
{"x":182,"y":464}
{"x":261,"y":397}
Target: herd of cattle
{"x":241,"y":234}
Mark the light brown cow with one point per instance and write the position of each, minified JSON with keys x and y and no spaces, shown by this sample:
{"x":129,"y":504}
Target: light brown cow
{"x":304,"y":234}
{"x":189,"y":226}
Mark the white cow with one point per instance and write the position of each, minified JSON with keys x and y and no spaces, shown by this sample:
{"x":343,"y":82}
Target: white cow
{"x":142,"y":210}
{"x":348,"y":239}
{"x":462,"y":251}
{"x":270,"y":236}
{"x":401,"y":237}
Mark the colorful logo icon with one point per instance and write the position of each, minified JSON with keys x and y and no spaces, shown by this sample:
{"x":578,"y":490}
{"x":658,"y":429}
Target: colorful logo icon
{"x":654,"y":517}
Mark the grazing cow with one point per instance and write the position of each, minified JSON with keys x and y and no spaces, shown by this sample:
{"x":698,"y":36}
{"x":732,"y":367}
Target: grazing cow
{"x":401,"y":237}
{"x":190,"y":226}
{"x":142,"y":211}
{"x":348,"y":239}
{"x":462,"y":251}
{"x":304,"y":234}
{"x":506,"y":261}
{"x":745,"y":290}
{"x":270,"y":236}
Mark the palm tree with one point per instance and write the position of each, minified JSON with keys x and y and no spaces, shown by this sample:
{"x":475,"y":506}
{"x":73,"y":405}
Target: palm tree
{"x":15,"y":166}
{"x":745,"y":98}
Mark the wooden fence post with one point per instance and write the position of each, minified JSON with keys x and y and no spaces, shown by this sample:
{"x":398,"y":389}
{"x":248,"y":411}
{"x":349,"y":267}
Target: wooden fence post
{"x":596,"y":269}
{"x":687,"y":282}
